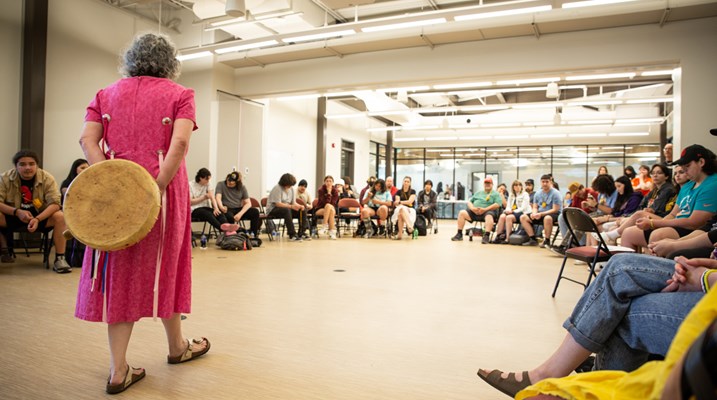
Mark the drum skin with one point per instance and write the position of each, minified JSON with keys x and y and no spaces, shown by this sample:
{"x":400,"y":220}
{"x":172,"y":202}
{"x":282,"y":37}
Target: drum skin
{"x":112,"y":205}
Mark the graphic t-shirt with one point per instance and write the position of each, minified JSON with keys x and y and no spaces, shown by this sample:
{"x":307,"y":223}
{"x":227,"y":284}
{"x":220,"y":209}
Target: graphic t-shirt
{"x":26,"y":187}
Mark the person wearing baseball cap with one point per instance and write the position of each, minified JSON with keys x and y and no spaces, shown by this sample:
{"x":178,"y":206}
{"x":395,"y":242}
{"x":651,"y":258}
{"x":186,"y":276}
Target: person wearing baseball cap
{"x":530,"y":188}
{"x":369,"y":184}
{"x":483,"y":207}
{"x":694,"y":209}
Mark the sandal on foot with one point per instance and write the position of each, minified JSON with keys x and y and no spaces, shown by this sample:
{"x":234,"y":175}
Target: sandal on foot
{"x":129,"y":380}
{"x":510,"y":385}
{"x":188,"y":353}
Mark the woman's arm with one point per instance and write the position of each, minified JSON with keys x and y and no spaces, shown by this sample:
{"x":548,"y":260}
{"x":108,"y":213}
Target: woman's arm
{"x":90,"y":142}
{"x":175,"y":154}
{"x":697,"y":220}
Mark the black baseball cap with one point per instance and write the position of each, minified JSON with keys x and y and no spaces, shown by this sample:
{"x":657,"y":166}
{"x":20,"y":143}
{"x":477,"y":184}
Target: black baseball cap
{"x":691,"y":153}
{"x":713,"y":131}
{"x":303,"y":183}
{"x":532,"y":182}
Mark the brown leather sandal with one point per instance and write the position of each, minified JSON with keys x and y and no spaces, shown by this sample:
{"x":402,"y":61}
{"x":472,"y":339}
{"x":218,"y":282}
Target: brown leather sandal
{"x":188,"y":353}
{"x":129,"y":380}
{"x":510,"y":385}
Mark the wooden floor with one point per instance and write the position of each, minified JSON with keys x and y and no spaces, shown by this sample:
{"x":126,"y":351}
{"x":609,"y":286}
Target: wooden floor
{"x":405,"y":320}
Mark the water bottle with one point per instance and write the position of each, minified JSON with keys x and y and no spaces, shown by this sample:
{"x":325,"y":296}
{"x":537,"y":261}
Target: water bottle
{"x":415,"y":233}
{"x":203,"y":242}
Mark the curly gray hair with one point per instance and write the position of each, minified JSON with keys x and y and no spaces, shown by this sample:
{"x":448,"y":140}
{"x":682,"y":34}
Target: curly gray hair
{"x":150,"y":54}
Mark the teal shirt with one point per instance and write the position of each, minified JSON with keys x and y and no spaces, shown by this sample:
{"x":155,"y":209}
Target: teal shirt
{"x":482,"y":199}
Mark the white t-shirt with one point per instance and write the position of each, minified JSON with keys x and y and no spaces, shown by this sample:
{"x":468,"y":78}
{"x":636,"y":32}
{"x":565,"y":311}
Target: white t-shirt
{"x":199,"y":190}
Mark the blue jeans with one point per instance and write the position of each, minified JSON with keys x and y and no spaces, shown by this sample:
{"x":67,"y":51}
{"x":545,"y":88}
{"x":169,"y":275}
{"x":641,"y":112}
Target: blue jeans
{"x":623,"y":317}
{"x":565,"y":231}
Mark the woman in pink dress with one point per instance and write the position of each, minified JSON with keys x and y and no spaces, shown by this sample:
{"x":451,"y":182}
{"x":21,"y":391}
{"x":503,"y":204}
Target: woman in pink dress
{"x":146,"y":118}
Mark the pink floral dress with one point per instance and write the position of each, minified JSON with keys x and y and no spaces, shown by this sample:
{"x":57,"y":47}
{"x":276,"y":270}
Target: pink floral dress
{"x":138,"y":115}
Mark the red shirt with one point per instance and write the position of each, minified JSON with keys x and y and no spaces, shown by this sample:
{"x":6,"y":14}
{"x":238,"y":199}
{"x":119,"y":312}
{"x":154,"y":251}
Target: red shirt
{"x":577,"y":201}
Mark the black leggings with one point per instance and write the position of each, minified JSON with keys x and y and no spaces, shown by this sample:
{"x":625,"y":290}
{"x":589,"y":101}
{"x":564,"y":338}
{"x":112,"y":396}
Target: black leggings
{"x":429,"y":213}
{"x":251,"y":215}
{"x":288,"y":216}
{"x":207,"y":214}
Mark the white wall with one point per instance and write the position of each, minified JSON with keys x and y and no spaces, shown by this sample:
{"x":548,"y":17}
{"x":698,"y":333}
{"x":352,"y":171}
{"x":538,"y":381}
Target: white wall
{"x":10,"y":79}
{"x":692,"y":44}
{"x":352,"y":130}
{"x":290,"y":142}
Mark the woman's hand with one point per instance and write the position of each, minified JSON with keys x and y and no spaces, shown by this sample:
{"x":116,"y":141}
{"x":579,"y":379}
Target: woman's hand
{"x":216,"y":212}
{"x":687,"y":276}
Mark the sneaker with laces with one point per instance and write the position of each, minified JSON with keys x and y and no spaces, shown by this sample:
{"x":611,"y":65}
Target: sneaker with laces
{"x":381,"y":230}
{"x":559,"y":250}
{"x":458,"y":237}
{"x":486,"y":238}
{"x":324,"y":229}
{"x":61,"y":266}
{"x":295,"y":238}
{"x":332,"y":234}
{"x":546,"y":243}
{"x":531,"y":242}
{"x":305,"y":237}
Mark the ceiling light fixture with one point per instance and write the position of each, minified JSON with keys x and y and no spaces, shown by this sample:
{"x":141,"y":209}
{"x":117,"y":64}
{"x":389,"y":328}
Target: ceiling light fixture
{"x":657,"y":73}
{"x":434,"y":138}
{"x":344,"y":116}
{"x":403,"y":89}
{"x":408,"y":139}
{"x":385,"y":128}
{"x":594,"y":103}
{"x":402,"y":25}
{"x":655,"y":100}
{"x":527,"y":106}
{"x":501,"y":125}
{"x":630,"y":134}
{"x":388,"y":112}
{"x":462,"y":85}
{"x":476,"y":137}
{"x":502,"y":13}
{"x":185,"y":57}
{"x":548,"y":136}
{"x":590,"y":122}
{"x":587,"y":134}
{"x":597,"y":77}
{"x":590,"y":3}
{"x":248,"y":46}
{"x":526,"y":81}
{"x":317,"y":36}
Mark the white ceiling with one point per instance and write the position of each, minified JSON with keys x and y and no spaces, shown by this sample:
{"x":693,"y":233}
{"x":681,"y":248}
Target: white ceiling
{"x":449,"y":110}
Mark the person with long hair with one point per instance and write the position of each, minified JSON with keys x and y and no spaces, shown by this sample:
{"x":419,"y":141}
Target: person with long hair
{"x":158,"y":141}
{"x":626,"y":203}
{"x":654,"y":204}
{"x":696,"y":203}
{"x":376,"y":201}
{"x":642,"y":181}
{"x":78,"y":166}
{"x":404,"y":214}
{"x":328,"y":202}
{"x":517,"y":205}
{"x":629,"y":172}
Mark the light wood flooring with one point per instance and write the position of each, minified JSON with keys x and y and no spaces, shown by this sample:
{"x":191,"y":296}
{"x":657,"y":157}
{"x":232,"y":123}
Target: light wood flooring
{"x":405,"y":320}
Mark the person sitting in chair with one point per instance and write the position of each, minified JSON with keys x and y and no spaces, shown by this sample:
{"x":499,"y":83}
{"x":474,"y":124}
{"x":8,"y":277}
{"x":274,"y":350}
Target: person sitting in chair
{"x":482,"y":207}
{"x":546,"y":208}
{"x":427,"y":201}
{"x":30,"y":199}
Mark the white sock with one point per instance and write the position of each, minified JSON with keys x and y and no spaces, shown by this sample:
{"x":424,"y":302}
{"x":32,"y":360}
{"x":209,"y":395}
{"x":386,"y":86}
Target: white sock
{"x":613,"y":234}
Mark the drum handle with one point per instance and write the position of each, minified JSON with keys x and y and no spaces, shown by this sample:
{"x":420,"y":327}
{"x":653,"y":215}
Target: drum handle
{"x":155,"y":303}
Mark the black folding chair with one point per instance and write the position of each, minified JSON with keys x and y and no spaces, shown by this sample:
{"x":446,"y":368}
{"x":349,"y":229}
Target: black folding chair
{"x":579,"y":221}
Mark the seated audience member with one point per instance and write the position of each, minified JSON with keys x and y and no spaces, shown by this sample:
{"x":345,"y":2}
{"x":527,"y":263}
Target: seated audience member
{"x":504,"y":194}
{"x":281,"y":204}
{"x":404,"y":214}
{"x":448,"y":193}
{"x":232,"y":199}
{"x":567,"y":199}
{"x":631,"y":310}
{"x":667,"y":152}
{"x":695,"y":245}
{"x":376,"y":201}
{"x":626,"y":203}
{"x":517,"y":205}
{"x":204,"y":205}
{"x":696,"y":203}
{"x":579,"y":193}
{"x":78,"y":166}
{"x":553,"y":183}
{"x":482,"y":207}
{"x":427,"y":202}
{"x":629,"y":172}
{"x":349,"y":189}
{"x":642,"y":182}
{"x":30,"y":199}
{"x":389,"y":186}
{"x":530,"y":189}
{"x":678,"y":376}
{"x":604,"y":185}
{"x":369,"y":184}
{"x":546,"y":208}
{"x":654,"y":204}
{"x":303,"y":194}
{"x":601,"y":171}
{"x":328,"y":202}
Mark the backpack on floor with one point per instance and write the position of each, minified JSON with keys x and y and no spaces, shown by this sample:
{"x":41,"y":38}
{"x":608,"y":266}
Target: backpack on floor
{"x":518,"y":238}
{"x":239,"y":241}
{"x":420,"y":225}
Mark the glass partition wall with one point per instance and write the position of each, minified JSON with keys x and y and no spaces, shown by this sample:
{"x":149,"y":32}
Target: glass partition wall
{"x":457,"y":172}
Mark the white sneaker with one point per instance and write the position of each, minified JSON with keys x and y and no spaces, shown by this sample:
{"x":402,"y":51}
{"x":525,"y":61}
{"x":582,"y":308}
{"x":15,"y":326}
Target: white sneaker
{"x":578,"y":262}
{"x":332,"y":234}
{"x":605,"y":237}
{"x":323,"y":230}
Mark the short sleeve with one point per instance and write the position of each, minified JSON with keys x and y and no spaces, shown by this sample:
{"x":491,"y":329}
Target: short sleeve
{"x":707,"y":199}
{"x":186,"y":108}
{"x":244,"y":193}
{"x":94,"y":110}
